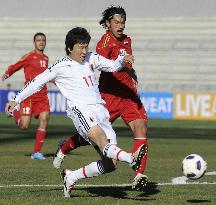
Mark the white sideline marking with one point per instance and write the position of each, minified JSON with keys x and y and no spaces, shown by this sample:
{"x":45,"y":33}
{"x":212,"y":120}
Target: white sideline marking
{"x":175,"y":181}
{"x":61,"y":185}
{"x":210,"y":173}
{"x":183,"y":179}
{"x":94,"y":185}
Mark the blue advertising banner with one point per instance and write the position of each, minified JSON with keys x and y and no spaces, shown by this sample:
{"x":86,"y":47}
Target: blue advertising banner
{"x":56,"y":100}
{"x":5,"y":96}
{"x":58,"y":103}
{"x":158,"y":104}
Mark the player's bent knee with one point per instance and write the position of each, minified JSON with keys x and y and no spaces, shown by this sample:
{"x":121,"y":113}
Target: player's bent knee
{"x":83,"y":142}
{"x":110,"y":166}
{"x":23,"y":127}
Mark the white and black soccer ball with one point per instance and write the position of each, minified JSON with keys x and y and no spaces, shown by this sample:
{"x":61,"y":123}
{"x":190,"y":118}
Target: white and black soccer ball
{"x":194,"y":166}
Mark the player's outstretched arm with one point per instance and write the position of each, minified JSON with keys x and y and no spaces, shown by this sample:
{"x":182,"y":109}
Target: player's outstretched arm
{"x":103,"y":64}
{"x":35,"y":85}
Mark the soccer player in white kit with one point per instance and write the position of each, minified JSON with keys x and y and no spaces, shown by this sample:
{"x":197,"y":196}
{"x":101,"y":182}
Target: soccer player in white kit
{"x":75,"y":77}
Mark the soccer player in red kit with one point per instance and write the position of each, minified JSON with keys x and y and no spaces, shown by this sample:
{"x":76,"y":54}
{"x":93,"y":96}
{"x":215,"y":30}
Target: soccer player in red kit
{"x":118,"y":89}
{"x":36,"y":105}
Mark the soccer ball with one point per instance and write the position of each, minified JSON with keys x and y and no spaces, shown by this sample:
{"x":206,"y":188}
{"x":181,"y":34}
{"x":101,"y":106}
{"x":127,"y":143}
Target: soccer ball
{"x":194,"y":166}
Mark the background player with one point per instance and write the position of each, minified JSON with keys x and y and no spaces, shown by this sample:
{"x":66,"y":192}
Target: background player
{"x":118,"y":89}
{"x":75,"y":77}
{"x":33,"y":64}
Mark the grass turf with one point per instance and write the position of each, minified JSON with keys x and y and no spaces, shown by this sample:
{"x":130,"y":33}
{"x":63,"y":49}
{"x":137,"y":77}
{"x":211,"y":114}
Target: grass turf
{"x":170,"y":141}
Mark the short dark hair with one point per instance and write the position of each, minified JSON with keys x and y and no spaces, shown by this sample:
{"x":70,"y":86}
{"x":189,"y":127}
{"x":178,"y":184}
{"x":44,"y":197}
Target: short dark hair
{"x":107,"y":14}
{"x":38,"y":34}
{"x":76,"y":35}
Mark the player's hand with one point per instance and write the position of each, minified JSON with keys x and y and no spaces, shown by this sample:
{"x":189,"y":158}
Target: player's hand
{"x":128,"y":59}
{"x":5,"y":76}
{"x":10,"y":107}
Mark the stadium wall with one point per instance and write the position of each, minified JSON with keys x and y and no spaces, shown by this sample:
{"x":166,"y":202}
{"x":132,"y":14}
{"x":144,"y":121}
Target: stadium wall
{"x":87,"y":8}
{"x":171,"y":54}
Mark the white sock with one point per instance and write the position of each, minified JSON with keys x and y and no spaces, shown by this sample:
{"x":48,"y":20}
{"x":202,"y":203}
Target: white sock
{"x":92,"y":170}
{"x":114,"y":152}
{"x":60,"y":154}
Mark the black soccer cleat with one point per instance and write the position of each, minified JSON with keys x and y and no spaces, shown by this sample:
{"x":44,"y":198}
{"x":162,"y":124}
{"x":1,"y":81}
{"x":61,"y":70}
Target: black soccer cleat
{"x":138,"y":156}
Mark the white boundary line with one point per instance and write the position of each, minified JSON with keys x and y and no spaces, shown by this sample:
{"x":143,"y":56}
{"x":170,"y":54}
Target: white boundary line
{"x":94,"y":185}
{"x":183,"y":179}
{"x":175,"y":182}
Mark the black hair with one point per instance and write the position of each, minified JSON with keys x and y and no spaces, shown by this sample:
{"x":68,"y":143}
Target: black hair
{"x":38,"y":34}
{"x":74,"y":36}
{"x":107,"y":14}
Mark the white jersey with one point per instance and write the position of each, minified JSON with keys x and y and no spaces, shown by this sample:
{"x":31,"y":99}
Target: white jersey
{"x":77,"y":82}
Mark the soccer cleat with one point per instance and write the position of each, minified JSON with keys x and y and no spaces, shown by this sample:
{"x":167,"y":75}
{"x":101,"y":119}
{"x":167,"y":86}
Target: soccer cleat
{"x":59,"y":156}
{"x":138,"y":156}
{"x":68,"y":186}
{"x":140,"y":181}
{"x":38,"y":155}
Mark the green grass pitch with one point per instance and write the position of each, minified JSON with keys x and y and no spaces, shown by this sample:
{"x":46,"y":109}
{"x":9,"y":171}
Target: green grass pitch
{"x":24,"y":181}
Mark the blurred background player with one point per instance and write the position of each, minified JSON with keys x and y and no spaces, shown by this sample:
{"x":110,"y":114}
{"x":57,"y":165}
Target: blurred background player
{"x":118,"y":89}
{"x":33,"y":64}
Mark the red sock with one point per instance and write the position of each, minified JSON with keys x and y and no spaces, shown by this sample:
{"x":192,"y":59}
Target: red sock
{"x":68,"y":146}
{"x":137,"y":143}
{"x":40,"y":136}
{"x":16,"y":116}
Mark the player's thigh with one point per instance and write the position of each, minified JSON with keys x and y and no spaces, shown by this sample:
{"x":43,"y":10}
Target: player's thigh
{"x":41,"y":108}
{"x":43,"y":119}
{"x":25,"y":122}
{"x":133,"y":111}
{"x":25,"y":113}
{"x":98,"y":137}
{"x":103,"y":116}
{"x":113,"y":105}
{"x":93,"y":121}
{"x":26,"y":108}
{"x":83,"y":119}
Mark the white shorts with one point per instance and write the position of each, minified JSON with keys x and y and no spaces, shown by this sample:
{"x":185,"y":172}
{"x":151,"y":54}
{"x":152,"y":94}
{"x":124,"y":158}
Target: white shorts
{"x":86,"y":117}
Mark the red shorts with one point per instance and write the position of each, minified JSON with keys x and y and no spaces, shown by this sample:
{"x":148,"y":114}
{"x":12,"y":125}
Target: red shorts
{"x":32,"y":106}
{"x":128,"y":109}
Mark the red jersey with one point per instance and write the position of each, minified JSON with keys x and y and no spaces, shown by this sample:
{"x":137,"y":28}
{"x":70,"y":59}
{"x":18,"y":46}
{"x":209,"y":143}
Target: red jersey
{"x":120,"y":83}
{"x":33,"y":64}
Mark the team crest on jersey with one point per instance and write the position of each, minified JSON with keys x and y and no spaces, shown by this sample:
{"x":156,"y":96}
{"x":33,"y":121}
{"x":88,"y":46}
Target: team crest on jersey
{"x":35,"y":57}
{"x":122,"y":52}
{"x":125,"y":42}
